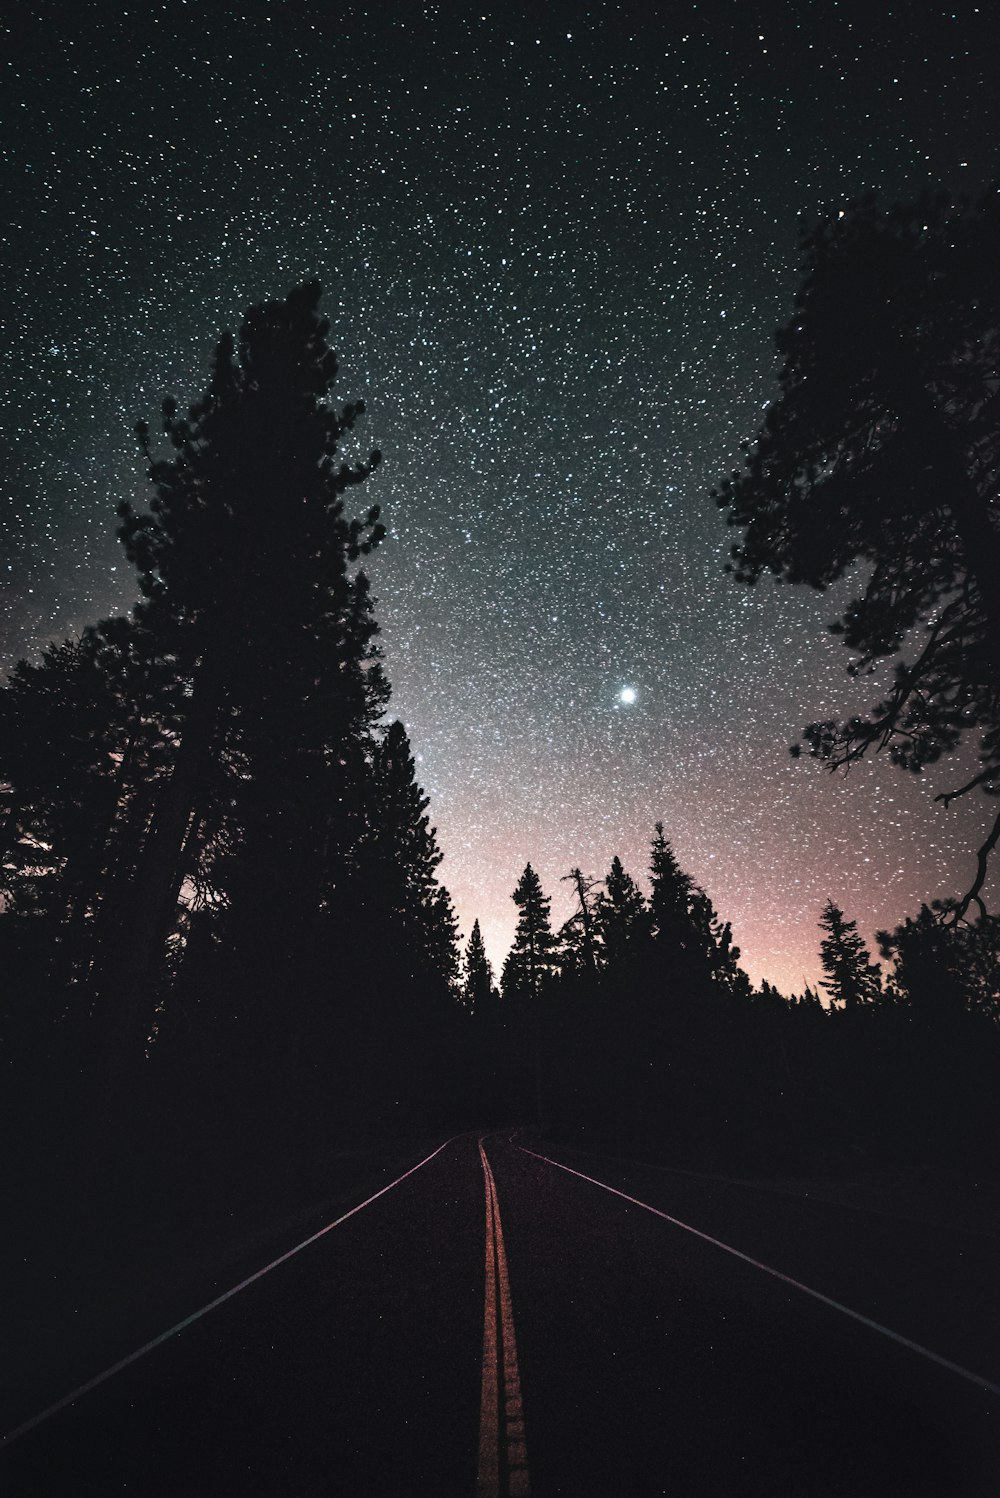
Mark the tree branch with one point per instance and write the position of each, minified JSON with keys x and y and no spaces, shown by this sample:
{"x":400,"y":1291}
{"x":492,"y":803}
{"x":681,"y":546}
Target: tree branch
{"x":990,"y":773}
{"x":982,"y":860}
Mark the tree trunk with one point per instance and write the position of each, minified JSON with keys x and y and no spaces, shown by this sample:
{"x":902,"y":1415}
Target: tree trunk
{"x":588,"y":930}
{"x":160,"y":872}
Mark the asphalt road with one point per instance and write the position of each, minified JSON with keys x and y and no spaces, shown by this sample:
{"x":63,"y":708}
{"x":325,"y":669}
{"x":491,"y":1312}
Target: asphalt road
{"x":496,"y":1325}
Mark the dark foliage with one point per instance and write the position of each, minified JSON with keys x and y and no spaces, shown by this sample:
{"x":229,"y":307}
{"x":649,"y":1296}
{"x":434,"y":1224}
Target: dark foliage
{"x":530,"y":962}
{"x":622,"y":919}
{"x":218,"y":876}
{"x":477,"y":979}
{"x":245,"y":566}
{"x":666,"y":1049}
{"x":882,"y":452}
{"x":851,"y":978}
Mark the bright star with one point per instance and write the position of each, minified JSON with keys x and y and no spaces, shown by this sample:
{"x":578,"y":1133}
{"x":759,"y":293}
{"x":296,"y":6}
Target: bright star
{"x":627,"y":695}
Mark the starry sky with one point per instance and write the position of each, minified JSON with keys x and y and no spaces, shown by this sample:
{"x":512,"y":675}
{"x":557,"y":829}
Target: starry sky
{"x":555,"y":242}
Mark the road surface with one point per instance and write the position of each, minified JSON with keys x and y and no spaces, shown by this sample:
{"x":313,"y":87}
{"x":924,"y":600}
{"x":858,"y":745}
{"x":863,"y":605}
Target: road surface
{"x":510,"y":1318}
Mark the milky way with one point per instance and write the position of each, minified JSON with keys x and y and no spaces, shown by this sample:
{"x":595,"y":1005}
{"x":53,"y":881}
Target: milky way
{"x":554,"y":249}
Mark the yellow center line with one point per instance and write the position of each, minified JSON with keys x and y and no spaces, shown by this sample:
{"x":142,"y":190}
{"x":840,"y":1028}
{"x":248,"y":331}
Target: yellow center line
{"x":501,"y":1425}
{"x":488,"y":1475}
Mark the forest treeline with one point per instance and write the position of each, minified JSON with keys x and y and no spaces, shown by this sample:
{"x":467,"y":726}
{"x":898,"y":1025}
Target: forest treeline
{"x":633,"y":1025}
{"x":219,"y":877}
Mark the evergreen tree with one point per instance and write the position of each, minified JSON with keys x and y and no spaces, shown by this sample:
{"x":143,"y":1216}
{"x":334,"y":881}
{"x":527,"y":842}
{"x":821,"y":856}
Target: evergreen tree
{"x":477,"y":984}
{"x":530,"y":960}
{"x":245,"y":563}
{"x":943,"y":970}
{"x":883,"y":449}
{"x":58,"y":740}
{"x":851,"y":978}
{"x":577,"y":939}
{"x":620,"y":917}
{"x":769,"y":994}
{"x":670,"y":900}
{"x":808,"y":999}
{"x":398,"y":864}
{"x":717,"y":950}
{"x":85,"y":738}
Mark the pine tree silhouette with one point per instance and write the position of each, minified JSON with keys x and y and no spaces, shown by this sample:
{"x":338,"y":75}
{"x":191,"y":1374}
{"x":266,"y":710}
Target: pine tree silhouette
{"x":477,"y":984}
{"x":399,"y":861}
{"x":530,"y":960}
{"x":941,"y":969}
{"x":577,"y":938}
{"x":620,"y":917}
{"x":851,"y":978}
{"x":670,"y":902}
{"x":883,"y":449}
{"x":84,"y":739}
{"x":245,"y":563}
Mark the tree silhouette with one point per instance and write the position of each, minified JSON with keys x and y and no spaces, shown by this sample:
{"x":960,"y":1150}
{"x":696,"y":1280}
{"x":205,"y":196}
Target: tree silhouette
{"x":669,"y":895}
{"x":720,"y":955}
{"x":620,"y":917}
{"x":851,"y":978}
{"x":477,"y":983}
{"x":691,"y":947}
{"x":577,"y":937}
{"x":398,"y":864}
{"x":245,"y":562}
{"x":945,"y":970}
{"x":58,"y":741}
{"x":883,"y":449}
{"x":84,"y":743}
{"x":529,"y":962}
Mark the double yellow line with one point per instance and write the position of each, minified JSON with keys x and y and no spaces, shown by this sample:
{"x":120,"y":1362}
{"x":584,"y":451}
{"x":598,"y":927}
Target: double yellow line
{"x":503,"y":1461}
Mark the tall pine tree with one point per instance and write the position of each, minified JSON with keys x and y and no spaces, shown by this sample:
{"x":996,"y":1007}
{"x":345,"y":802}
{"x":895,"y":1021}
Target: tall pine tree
{"x":398,"y":864}
{"x":530,"y":960}
{"x":477,"y":981}
{"x":621,"y":917}
{"x":852,"y":979}
{"x":671,"y":893}
{"x":246,"y":567}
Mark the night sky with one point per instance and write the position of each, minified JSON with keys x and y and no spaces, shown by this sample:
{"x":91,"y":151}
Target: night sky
{"x":555,"y":242}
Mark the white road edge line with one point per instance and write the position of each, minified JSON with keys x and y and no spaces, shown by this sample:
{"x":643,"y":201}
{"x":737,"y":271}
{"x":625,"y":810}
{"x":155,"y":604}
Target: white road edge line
{"x":140,"y":1352}
{"x":974,"y":1378}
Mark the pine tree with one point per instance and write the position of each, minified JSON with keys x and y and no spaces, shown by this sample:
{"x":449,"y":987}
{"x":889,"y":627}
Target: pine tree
{"x":769,"y":994}
{"x":883,"y":450}
{"x":84,"y":739}
{"x":397,"y":865}
{"x":620,"y":917}
{"x":944,"y":969}
{"x":577,"y":938}
{"x":477,"y":983}
{"x":720,"y":955}
{"x":670,"y":900}
{"x":808,"y":999}
{"x":530,"y":960}
{"x":58,"y":739}
{"x":245,"y":563}
{"x":851,"y":978}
